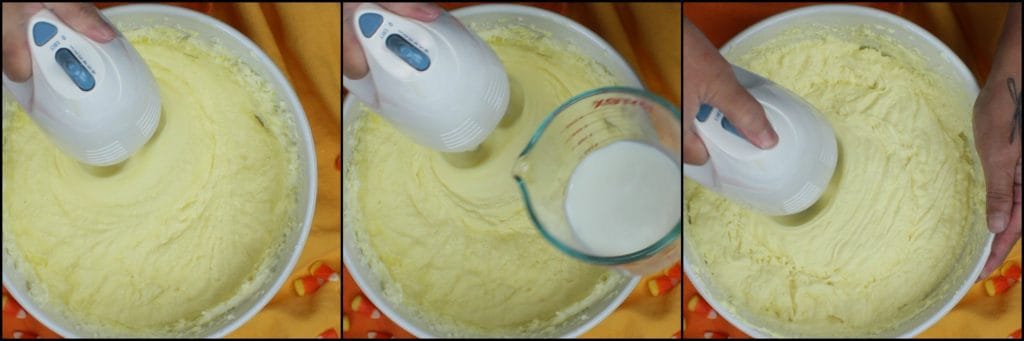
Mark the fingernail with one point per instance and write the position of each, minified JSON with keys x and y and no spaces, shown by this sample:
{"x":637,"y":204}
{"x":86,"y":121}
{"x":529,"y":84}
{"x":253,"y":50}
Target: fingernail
{"x":430,"y":11}
{"x":767,"y":139}
{"x":107,"y":33}
{"x":996,"y":222}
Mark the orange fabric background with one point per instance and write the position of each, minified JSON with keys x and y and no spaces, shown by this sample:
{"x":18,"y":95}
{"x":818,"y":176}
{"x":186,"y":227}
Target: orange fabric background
{"x":648,"y":36}
{"x":971,"y":31}
{"x":304,"y":41}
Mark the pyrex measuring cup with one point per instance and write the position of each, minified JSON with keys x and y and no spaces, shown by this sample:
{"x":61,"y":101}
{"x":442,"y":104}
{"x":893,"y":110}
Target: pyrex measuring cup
{"x":602,"y":184}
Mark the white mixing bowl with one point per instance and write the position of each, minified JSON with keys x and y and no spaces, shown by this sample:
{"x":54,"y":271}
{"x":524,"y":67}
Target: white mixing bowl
{"x":939,"y":58}
{"x":215,"y":31}
{"x":563,"y":29}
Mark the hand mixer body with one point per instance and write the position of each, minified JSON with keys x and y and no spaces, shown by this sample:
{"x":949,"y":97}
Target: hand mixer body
{"x":782,"y":180}
{"x":436,"y":82}
{"x":99,"y":103}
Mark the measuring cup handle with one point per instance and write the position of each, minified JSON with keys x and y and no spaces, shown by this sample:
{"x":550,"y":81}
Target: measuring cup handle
{"x":703,"y":174}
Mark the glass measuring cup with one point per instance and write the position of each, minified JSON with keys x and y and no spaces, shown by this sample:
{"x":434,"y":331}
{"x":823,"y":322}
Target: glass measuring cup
{"x":626,"y":214}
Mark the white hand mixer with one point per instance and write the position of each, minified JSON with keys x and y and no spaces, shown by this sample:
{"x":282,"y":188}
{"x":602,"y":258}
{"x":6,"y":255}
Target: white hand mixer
{"x":97,"y":102}
{"x":436,"y":82}
{"x":785,"y":179}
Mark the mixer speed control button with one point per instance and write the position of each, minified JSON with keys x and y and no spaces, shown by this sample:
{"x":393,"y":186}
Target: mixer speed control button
{"x":703,"y":113}
{"x":407,"y":52}
{"x":731,"y":128}
{"x":75,"y":70}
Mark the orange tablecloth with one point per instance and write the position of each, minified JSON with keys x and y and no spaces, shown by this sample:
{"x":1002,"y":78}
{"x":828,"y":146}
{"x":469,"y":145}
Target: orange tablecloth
{"x":970,"y":30}
{"x":648,"y":37}
{"x":304,"y":41}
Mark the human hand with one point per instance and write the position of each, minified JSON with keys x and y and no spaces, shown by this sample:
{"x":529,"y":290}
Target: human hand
{"x":708,"y":78}
{"x":354,"y":65}
{"x":82,"y":17}
{"x":997,"y":131}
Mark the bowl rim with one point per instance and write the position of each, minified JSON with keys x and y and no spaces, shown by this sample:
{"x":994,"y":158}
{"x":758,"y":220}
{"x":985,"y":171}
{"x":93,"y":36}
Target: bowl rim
{"x":968,"y":81}
{"x":304,"y":144}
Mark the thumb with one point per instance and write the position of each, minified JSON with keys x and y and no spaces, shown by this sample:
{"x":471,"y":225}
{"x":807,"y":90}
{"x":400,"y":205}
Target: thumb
{"x":742,"y":110}
{"x":419,"y":11}
{"x":999,"y":195}
{"x":84,"y":18}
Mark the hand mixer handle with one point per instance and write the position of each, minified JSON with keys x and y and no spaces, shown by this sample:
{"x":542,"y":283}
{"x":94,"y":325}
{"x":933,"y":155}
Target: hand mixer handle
{"x":22,"y":92}
{"x":703,"y":174}
{"x":366,"y":88}
{"x":363,"y":88}
{"x":436,"y":82}
{"x":98,"y":102}
{"x":726,"y":146}
{"x":784,"y":179}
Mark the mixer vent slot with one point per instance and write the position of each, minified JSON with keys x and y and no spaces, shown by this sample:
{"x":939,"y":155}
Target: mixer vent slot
{"x":147,"y":123}
{"x":465,"y":132}
{"x":491,"y":95}
{"x":801,"y":199}
{"x":106,"y":154}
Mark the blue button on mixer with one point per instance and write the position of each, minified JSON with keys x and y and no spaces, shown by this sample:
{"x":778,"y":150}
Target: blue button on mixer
{"x":409,"y":53}
{"x":75,"y":70}
{"x":730,"y":128}
{"x":703,"y":113}
{"x":42,"y":32}
{"x":369,"y":23}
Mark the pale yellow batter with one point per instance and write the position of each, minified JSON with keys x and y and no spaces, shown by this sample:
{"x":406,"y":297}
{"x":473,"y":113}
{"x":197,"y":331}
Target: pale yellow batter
{"x":178,"y":232}
{"x":890,"y":229}
{"x":451,"y":231}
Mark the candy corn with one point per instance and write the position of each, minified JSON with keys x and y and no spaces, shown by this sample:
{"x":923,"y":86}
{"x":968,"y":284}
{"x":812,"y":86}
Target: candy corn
{"x":344,"y":324}
{"x":697,"y":305}
{"x":1011,"y":271}
{"x":1015,"y":335}
{"x":996,"y":285}
{"x":378,"y":335}
{"x":17,"y":334}
{"x":328,"y":334}
{"x":660,"y":285}
{"x":677,"y":335}
{"x":307,"y":285}
{"x":320,"y":270}
{"x":363,"y":306}
{"x":675,"y":272}
{"x":715,"y":335}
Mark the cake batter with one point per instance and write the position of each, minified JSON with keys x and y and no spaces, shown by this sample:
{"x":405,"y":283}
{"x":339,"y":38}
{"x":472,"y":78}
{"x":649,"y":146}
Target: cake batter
{"x":177,"y":233}
{"x":451,"y":231}
{"x":888,"y":232}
